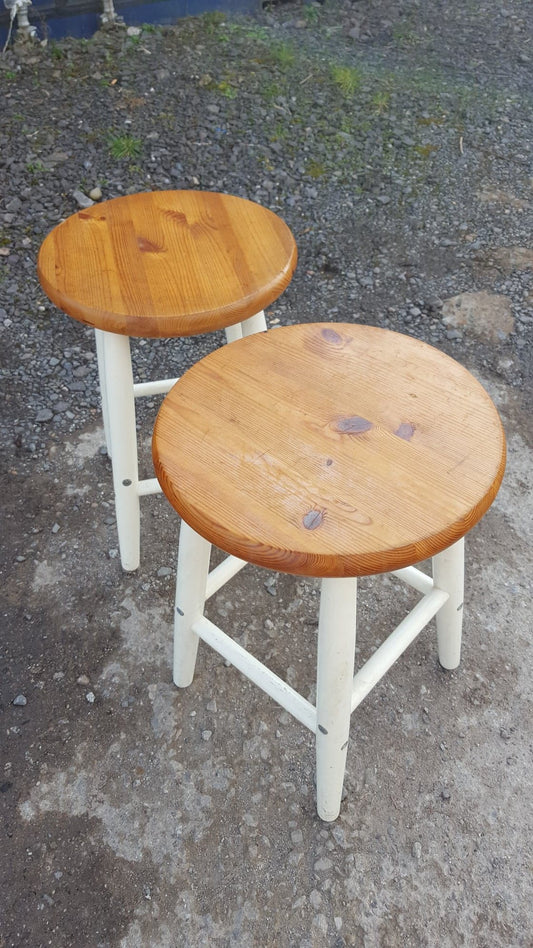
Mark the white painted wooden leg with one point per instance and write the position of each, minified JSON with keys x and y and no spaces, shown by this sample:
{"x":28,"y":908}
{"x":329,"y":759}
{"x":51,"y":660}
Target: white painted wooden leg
{"x":448,"y":574}
{"x":254,"y":324}
{"x":233,"y":332}
{"x":335,"y":668}
{"x":121,"y":412}
{"x":100,"y":355}
{"x":193,"y":566}
{"x":248,"y":327}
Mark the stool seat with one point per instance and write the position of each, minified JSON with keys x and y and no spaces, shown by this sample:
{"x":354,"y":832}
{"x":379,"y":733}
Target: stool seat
{"x":167,"y":263}
{"x":329,"y":450}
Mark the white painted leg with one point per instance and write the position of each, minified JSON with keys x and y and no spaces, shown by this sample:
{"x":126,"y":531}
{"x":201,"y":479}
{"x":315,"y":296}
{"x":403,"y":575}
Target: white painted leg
{"x":248,"y":326}
{"x":100,"y":355}
{"x":335,"y":668}
{"x":121,"y":412}
{"x":191,"y":581}
{"x":233,"y":332}
{"x":448,"y":574}
{"x":254,"y":324}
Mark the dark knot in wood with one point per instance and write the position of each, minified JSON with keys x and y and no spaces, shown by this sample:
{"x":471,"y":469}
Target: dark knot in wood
{"x":353,"y":425}
{"x":406,"y":430}
{"x":313,"y":519}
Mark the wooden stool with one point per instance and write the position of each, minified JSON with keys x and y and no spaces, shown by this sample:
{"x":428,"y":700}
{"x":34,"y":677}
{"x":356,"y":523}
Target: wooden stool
{"x":160,"y":264}
{"x":333,"y":451}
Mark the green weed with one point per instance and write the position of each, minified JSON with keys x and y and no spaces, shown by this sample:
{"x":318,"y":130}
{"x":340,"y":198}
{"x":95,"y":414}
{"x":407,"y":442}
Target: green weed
{"x":124,"y":146}
{"x":213,"y":20}
{"x":315,"y":169}
{"x":380,"y":101}
{"x":35,"y":167}
{"x":283,"y":55}
{"x":311,"y":14}
{"x":347,"y":78}
{"x":403,"y":35}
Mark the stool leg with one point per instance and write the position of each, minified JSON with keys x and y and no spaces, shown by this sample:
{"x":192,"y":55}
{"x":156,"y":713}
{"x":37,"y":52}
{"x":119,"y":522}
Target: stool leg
{"x":100,"y":356}
{"x":254,"y":324}
{"x":335,"y":669}
{"x":248,"y":327}
{"x":233,"y":332}
{"x":191,"y":580}
{"x":448,"y":574}
{"x":121,"y":412}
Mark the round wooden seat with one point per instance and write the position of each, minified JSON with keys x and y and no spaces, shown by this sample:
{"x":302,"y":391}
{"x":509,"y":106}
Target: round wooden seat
{"x":167,"y":263}
{"x":329,"y":450}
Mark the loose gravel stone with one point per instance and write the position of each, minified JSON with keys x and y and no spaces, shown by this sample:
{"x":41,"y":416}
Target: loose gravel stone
{"x":20,"y":701}
{"x":81,"y":199}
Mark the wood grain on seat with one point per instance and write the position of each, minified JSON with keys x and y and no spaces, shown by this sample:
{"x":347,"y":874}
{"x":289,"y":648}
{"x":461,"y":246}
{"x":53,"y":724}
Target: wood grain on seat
{"x":167,"y":263}
{"x":329,"y":450}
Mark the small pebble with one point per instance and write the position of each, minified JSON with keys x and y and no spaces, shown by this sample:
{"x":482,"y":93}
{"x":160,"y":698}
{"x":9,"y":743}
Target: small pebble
{"x":90,"y":697}
{"x":417,"y":850}
{"x":81,"y":199}
{"x":44,"y":415}
{"x":20,"y":701}
{"x":445,"y":794}
{"x":83,"y":680}
{"x":95,"y":194}
{"x":206,"y":735}
{"x":56,"y":528}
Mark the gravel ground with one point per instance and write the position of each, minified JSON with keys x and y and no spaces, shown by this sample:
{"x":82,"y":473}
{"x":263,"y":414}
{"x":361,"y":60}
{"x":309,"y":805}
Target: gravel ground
{"x":395,"y":140}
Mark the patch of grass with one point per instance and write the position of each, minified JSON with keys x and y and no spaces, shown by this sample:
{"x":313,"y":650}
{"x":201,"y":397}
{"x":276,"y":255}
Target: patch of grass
{"x":315,"y":169}
{"x":425,"y":150}
{"x":213,"y":19}
{"x":380,"y":101}
{"x":280,"y":133}
{"x":311,"y":14}
{"x":283,"y":55}
{"x":56,"y":52}
{"x":347,"y":78}
{"x":10,"y":74}
{"x":35,"y":167}
{"x":270,"y":91}
{"x":431,"y":120}
{"x":226,"y":89}
{"x":124,"y":146}
{"x":403,"y":35}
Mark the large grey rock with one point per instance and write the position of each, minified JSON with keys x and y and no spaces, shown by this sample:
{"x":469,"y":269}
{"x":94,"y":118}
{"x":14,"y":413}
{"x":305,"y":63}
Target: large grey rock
{"x":487,"y":315}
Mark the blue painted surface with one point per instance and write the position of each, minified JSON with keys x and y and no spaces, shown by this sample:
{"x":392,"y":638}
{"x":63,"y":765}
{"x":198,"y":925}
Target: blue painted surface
{"x":58,"y":18}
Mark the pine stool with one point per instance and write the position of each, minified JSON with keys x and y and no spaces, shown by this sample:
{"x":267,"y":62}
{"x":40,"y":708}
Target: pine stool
{"x":333,"y":451}
{"x":160,"y":264}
